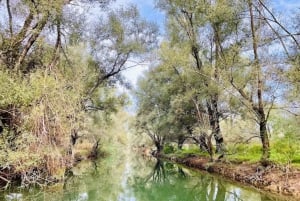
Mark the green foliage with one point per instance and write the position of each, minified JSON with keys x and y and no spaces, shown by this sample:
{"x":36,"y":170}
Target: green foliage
{"x":192,"y":150}
{"x":168,"y":148}
{"x":222,"y":12}
{"x":170,"y":94}
{"x":118,"y":37}
{"x":53,"y":91}
{"x":14,"y":90}
{"x":244,"y":152}
{"x":294,"y":77}
{"x":49,"y":108}
{"x":44,"y":121}
{"x":284,"y":125}
{"x":286,"y":150}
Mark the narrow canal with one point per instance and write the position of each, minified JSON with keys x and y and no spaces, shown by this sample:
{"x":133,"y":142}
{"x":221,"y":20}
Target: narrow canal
{"x":133,"y":178}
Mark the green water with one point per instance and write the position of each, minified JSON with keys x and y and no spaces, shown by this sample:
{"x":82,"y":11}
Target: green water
{"x":137,"y":179}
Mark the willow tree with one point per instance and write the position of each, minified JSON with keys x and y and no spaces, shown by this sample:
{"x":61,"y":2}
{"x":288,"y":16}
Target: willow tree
{"x":251,"y":66}
{"x":169,"y":97}
{"x":204,"y":26}
{"x":163,"y":112}
{"x":188,"y":95}
{"x":45,"y":35}
{"x":48,"y":71}
{"x":153,"y":107}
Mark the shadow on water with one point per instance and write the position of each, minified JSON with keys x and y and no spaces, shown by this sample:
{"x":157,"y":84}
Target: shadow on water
{"x":136,"y":179}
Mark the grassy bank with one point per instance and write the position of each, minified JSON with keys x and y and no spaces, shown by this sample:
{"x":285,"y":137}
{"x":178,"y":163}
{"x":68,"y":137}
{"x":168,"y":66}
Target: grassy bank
{"x":242,"y":164}
{"x":284,"y":152}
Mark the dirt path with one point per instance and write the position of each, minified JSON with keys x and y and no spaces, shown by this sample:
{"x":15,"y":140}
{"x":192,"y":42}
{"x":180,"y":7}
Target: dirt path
{"x":272,"y":178}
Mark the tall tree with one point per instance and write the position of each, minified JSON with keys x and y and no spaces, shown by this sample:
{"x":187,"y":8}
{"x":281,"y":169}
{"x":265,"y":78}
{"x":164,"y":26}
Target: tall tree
{"x":193,"y":22}
{"x":252,"y":68}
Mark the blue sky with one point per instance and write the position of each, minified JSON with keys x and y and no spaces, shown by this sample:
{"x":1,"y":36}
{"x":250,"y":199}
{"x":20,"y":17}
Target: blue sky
{"x":147,"y":10}
{"x":286,"y":4}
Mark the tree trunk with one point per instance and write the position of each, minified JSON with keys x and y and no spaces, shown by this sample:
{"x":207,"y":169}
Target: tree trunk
{"x":1,"y":126}
{"x":159,"y":146}
{"x":94,"y":151}
{"x":202,"y":142}
{"x":214,"y":116}
{"x":32,"y":39}
{"x":259,"y":109}
{"x":74,"y":137}
{"x":214,"y":110}
{"x":180,"y":142}
{"x":264,"y":140}
{"x":205,"y":145}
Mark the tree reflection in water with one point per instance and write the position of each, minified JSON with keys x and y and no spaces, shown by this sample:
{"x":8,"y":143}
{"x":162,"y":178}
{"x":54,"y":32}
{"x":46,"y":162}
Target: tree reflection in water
{"x":171,"y":182}
{"x":158,"y":174}
{"x":132,"y":178}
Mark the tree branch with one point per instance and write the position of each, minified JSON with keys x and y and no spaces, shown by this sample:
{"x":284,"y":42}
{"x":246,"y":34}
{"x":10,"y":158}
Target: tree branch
{"x":278,"y":23}
{"x":116,"y":68}
{"x":56,"y":52}
{"x":9,"y":18}
{"x":22,"y":33}
{"x":40,"y":26}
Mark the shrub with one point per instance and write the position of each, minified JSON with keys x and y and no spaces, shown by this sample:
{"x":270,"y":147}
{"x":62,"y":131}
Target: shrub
{"x":286,"y":150}
{"x":169,"y":148}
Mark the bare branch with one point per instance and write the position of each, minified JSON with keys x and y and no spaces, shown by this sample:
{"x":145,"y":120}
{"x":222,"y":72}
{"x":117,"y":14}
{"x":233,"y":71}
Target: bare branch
{"x":287,"y":110}
{"x":276,"y":33}
{"x":115,"y":69}
{"x":9,"y":18}
{"x":271,"y":107}
{"x":278,"y":23}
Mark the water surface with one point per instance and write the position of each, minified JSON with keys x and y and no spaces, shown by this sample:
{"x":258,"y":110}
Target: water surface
{"x":134,"y":178}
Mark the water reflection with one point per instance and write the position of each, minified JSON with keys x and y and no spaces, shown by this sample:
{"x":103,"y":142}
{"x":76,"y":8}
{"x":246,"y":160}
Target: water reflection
{"x":135,"y":179}
{"x":171,"y":182}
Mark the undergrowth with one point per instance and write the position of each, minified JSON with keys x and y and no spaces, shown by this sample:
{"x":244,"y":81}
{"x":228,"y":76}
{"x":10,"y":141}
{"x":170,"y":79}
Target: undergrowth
{"x":283,"y":152}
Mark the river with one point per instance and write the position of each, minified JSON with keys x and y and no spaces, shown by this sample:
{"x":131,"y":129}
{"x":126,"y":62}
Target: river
{"x":133,"y":178}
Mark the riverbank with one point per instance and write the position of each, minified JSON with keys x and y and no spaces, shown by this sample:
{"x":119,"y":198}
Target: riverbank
{"x":274,"y":178}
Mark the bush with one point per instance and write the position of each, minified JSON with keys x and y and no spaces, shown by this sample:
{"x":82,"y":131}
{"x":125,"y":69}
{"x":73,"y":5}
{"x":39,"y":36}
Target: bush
{"x":245,"y":152}
{"x":286,"y":150}
{"x":40,"y":109}
{"x":169,"y":149}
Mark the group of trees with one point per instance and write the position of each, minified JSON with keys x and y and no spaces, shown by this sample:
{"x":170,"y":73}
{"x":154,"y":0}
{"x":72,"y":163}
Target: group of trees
{"x":221,"y":60}
{"x":60,"y":63}
{"x":59,"y":67}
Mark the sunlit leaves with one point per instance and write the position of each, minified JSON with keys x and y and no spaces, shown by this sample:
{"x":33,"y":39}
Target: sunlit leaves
{"x":14,"y":90}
